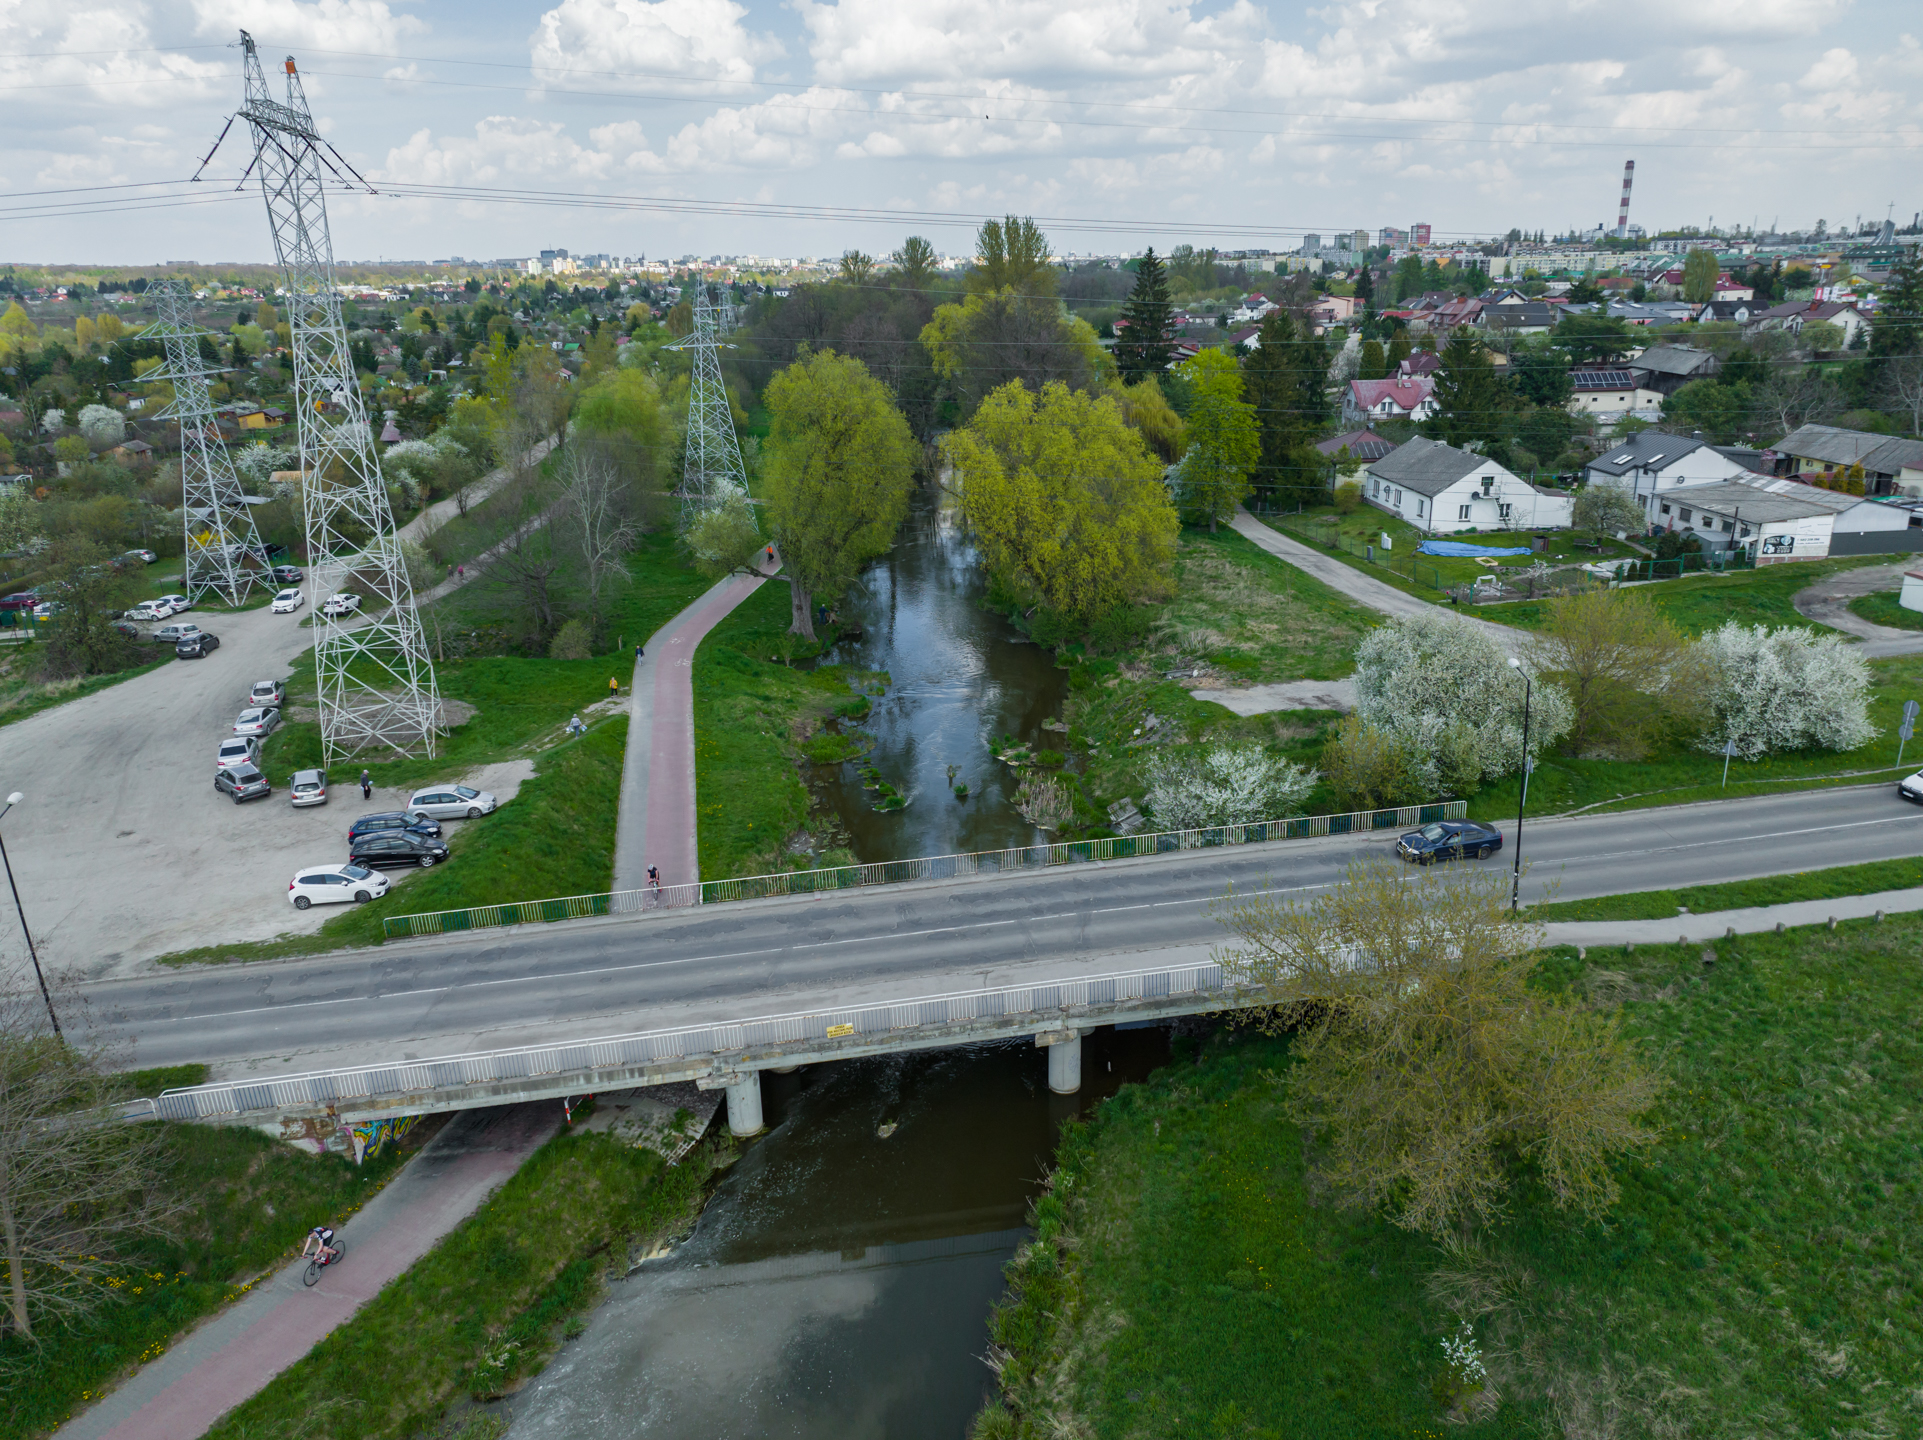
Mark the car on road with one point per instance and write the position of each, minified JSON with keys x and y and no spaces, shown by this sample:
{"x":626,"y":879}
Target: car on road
{"x":1911,"y":789}
{"x":285,"y":574}
{"x":174,"y":634}
{"x":268,"y":692}
{"x":397,"y":847}
{"x":334,"y":885}
{"x":197,"y":646}
{"x":261,"y":720}
{"x":150,"y":610}
{"x":1449,"y":840}
{"x":344,"y":603}
{"x":308,"y":787}
{"x":287,"y":602}
{"x":394,"y":820}
{"x":452,"y":802}
{"x":243,"y":782}
{"x":238,"y":750}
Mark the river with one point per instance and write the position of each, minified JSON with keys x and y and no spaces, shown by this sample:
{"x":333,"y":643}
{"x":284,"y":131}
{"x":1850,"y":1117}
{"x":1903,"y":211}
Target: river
{"x":838,"y":1284}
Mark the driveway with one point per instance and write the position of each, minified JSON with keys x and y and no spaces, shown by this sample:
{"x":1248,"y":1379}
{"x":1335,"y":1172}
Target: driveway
{"x":1827,"y":602}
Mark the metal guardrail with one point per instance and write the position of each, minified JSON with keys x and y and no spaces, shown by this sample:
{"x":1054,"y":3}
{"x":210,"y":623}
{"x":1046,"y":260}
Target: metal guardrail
{"x":859,"y":1025}
{"x":897,"y":872}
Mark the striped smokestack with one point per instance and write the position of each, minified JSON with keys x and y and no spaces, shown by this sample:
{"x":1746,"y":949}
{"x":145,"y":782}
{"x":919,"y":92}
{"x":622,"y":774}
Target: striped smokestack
{"x":1622,"y":212}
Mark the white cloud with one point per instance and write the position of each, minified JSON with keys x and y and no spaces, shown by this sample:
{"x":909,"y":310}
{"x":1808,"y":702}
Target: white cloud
{"x":100,"y":54}
{"x":502,"y":148}
{"x":289,"y":26}
{"x":666,"y":44}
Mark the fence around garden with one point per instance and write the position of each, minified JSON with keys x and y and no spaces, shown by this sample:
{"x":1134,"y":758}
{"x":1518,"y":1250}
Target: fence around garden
{"x":928,"y":867}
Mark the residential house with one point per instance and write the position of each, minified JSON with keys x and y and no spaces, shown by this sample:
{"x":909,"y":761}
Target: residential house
{"x":1334,"y":310}
{"x":1666,"y":368}
{"x":136,"y":453}
{"x":1609,"y":392}
{"x":390,"y":433}
{"x":1864,"y":525}
{"x":1419,"y":362}
{"x":1410,"y":397}
{"x":1739,"y":311}
{"x":1364,"y":445}
{"x":1249,"y":336}
{"x":1652,"y":312}
{"x":1891,"y":465}
{"x":1650,"y":462}
{"x":1527,"y":317}
{"x":1728,"y":289}
{"x":1793,"y":315}
{"x":1773,"y":528}
{"x":1442,"y":490}
{"x":1253,"y":310}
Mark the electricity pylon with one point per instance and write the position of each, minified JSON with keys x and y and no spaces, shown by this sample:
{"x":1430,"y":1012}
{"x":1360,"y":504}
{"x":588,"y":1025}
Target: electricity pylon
{"x":375,"y":679}
{"x":220,"y":537}
{"x":712,"y":471}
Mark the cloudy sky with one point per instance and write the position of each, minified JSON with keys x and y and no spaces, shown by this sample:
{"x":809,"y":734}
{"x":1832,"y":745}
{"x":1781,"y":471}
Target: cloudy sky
{"x":807,"y":126}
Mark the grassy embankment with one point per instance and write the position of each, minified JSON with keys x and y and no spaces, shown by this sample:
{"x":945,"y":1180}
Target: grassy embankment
{"x":249,"y":1201}
{"x":1758,"y":1277}
{"x":1831,"y":884}
{"x":488,"y":1305}
{"x":1883,"y":608}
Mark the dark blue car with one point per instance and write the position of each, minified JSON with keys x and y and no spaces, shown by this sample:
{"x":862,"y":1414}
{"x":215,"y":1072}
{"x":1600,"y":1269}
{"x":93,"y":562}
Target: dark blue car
{"x":1449,"y":840}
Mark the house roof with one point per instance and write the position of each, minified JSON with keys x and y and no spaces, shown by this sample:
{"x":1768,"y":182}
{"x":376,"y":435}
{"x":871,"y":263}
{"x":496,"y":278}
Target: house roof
{"x":1419,"y":362}
{"x":1364,"y":445}
{"x":1612,"y":377}
{"x":1406,"y":391}
{"x":1751,"y":502}
{"x":1834,"y":500}
{"x":1428,"y":467}
{"x":1746,"y":456}
{"x":1645,"y":450}
{"x":1833,"y":445}
{"x":1674,"y":360}
{"x":1529,"y":313}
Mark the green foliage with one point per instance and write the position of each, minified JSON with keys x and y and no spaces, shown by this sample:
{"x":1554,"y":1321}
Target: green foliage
{"x":1469,"y":398}
{"x":1367,"y":768}
{"x":1012,"y":254}
{"x":725,"y":539}
{"x":1884,"y":608}
{"x":1374,"y":365}
{"x":1830,"y":884}
{"x":1287,"y":377}
{"x":573,"y":641}
{"x":1700,"y":272}
{"x":1224,"y":441}
{"x":1146,"y":345}
{"x":1585,"y":338}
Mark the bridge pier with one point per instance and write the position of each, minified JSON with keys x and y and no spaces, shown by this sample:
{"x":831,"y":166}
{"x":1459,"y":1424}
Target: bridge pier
{"x":744,"y":1105}
{"x":1064,"y":1060}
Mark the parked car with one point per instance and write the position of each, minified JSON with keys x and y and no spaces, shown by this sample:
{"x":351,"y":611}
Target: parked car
{"x":238,"y":750}
{"x":174,"y":634}
{"x":132,"y":632}
{"x":287,"y":602}
{"x":452,"y":802}
{"x":397,"y":847}
{"x":285,"y":574}
{"x":177,"y":603}
{"x":334,"y":885}
{"x":1449,"y":840}
{"x":21,"y":600}
{"x":394,"y":820}
{"x":268,"y":692}
{"x":150,"y":610}
{"x":308,"y":787}
{"x":261,"y":720}
{"x":47,"y":609}
{"x":197,"y":646}
{"x":344,"y":603}
{"x":145,"y":557}
{"x":243,"y":782}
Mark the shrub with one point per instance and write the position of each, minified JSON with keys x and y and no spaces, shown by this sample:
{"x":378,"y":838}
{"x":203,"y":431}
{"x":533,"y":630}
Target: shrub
{"x":1786,"y":689}
{"x":1348,"y":496}
{"x":1224,"y":785}
{"x":1368,"y":767}
{"x":573,"y":641}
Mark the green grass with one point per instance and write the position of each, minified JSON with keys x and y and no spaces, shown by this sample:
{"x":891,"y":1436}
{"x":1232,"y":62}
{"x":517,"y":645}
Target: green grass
{"x":1870,"y":879}
{"x":1883,"y":608}
{"x":497,"y":1289}
{"x":1759,"y":1276}
{"x":23,"y":696}
{"x":556,"y":837}
{"x":250,"y":1201}
{"x":1255,"y":617}
{"x":1366,"y":525}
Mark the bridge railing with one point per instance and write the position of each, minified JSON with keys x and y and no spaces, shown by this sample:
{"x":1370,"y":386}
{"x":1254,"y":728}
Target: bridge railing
{"x":928,"y":867}
{"x":416,"y":1080}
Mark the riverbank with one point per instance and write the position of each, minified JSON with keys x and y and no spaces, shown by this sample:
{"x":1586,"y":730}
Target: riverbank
{"x":1188,"y":1276}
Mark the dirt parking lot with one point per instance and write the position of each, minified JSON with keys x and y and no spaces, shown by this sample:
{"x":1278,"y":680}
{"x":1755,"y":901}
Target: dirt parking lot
{"x":123,"y":849}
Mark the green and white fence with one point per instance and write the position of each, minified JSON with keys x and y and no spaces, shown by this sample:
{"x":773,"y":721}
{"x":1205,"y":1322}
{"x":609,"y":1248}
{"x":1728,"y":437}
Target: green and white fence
{"x":930,"y":867}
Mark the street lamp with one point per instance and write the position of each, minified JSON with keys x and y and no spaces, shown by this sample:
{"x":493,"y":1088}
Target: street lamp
{"x":32,"y":954}
{"x":1528,"y":688}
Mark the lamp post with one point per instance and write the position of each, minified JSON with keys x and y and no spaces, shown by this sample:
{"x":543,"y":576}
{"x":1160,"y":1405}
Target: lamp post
{"x":32,"y":954}
{"x":1528,"y":689}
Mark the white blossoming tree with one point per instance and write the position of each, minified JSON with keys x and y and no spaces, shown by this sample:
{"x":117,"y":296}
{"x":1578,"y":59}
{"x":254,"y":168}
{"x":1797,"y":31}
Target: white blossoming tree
{"x":102,"y":425}
{"x":53,"y":420}
{"x":1786,"y":689}
{"x":1445,"y":685}
{"x":1224,"y":785}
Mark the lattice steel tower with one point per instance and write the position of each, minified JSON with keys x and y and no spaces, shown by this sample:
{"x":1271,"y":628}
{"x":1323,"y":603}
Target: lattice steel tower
{"x":713,"y":470}
{"x":220,"y":538}
{"x":375,"y":679}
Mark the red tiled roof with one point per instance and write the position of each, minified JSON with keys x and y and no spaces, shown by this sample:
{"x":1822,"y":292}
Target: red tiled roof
{"x":1406,"y":392}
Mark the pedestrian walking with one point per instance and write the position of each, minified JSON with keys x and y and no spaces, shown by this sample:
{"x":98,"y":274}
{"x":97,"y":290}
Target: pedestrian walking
{"x":460,"y":572}
{"x":367,"y":786}
{"x":637,"y":652}
{"x":771,"y":556}
{"x":614,"y":687}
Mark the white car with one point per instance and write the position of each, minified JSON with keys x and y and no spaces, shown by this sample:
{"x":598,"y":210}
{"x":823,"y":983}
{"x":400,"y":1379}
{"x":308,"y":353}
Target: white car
{"x":345,"y":603}
{"x":1911,"y":789}
{"x":151,"y":610}
{"x":334,"y":885}
{"x":240,"y":750}
{"x":452,"y":802}
{"x":287,"y":602}
{"x":174,"y":603}
{"x":257,"y":720}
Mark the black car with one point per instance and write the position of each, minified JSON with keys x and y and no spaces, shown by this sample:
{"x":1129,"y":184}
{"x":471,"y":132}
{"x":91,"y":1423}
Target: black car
{"x":197,"y":646}
{"x":415,"y":824}
{"x":243,"y":782}
{"x":396,"y":847}
{"x":1449,"y":840}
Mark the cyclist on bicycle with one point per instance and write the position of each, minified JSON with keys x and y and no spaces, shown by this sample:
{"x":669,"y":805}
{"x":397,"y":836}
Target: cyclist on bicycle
{"x":320,"y":1244}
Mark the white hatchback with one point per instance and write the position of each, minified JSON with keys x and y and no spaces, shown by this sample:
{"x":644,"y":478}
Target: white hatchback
{"x":287,"y":602}
{"x":175,"y":603}
{"x":345,"y":603}
{"x":150,"y":610}
{"x":334,"y":885}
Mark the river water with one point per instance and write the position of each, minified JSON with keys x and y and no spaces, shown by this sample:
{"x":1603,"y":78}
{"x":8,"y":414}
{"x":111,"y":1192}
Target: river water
{"x":838,"y":1284}
{"x":961,"y":677}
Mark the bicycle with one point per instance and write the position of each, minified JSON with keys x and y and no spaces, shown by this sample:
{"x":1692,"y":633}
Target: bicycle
{"x":333,"y":1255}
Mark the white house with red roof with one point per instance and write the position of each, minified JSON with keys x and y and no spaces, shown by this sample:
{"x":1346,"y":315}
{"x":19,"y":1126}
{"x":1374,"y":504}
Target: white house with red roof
{"x":1406,"y":397}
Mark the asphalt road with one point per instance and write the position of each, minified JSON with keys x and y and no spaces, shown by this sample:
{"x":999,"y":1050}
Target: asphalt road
{"x":532,"y":984}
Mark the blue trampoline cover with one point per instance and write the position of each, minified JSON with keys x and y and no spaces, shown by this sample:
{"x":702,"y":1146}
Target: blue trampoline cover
{"x":1459,"y":548}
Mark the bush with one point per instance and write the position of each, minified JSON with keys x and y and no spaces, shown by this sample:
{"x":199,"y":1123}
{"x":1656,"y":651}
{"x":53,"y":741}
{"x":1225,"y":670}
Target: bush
{"x":573,"y":641}
{"x":1786,"y":689}
{"x":1348,"y":497}
{"x":1224,"y":785}
{"x":1368,"y":768}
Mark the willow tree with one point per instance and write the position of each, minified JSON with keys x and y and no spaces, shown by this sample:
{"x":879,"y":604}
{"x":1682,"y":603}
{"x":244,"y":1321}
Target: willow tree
{"x":839,"y":468}
{"x":1224,"y":441}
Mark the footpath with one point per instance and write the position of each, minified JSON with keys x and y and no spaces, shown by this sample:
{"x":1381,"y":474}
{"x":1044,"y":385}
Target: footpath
{"x":1717,"y":924}
{"x":235,"y":1354}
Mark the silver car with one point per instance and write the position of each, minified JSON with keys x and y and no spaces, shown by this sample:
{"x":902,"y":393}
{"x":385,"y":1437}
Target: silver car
{"x":267,"y":692}
{"x":452,"y":802}
{"x":308,"y":787}
{"x":241,"y":750}
{"x":261,"y":720}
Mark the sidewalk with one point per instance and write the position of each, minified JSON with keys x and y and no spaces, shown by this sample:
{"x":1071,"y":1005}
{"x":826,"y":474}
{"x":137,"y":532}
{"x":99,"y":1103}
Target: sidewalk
{"x":1700,"y":929}
{"x":235,"y":1354}
{"x":656,"y":824}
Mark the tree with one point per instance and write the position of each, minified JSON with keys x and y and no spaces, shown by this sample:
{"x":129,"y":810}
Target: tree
{"x":1407,"y":278}
{"x":1224,"y":440}
{"x":1468,"y":394}
{"x":915,"y":263}
{"x":1786,"y":689}
{"x":1720,"y":410}
{"x":839,"y":470}
{"x":102,"y":425}
{"x":1591,"y":338}
{"x":986,"y":341}
{"x":1435,"y":1073}
{"x":1902,"y":387}
{"x":1365,"y":288}
{"x":19,"y":519}
{"x":1399,"y":350}
{"x":1065,"y":502}
{"x":856,"y":268}
{"x":1374,"y":365}
{"x":1147,"y":345}
{"x":1540,"y":375}
{"x":1286,"y":380}
{"x":680,"y":319}
{"x":1012,"y":254}
{"x":598,"y":502}
{"x":1632,"y":677}
{"x":81,"y":638}
{"x":1604,"y":508}
{"x":1899,"y":315}
{"x":1224,"y":785}
{"x":1793,"y":396}
{"x":1369,"y":768}
{"x":1147,"y":409}
{"x":1700,"y":273}
{"x":725,"y":540}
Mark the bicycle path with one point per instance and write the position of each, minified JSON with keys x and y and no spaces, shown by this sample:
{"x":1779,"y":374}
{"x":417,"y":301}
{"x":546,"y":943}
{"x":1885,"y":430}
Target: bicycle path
{"x":234,"y":1355}
{"x":656,"y":823}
